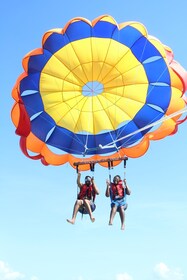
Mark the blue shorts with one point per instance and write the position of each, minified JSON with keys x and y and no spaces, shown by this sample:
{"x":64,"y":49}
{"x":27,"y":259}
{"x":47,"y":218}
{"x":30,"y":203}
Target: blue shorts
{"x":119,"y":203}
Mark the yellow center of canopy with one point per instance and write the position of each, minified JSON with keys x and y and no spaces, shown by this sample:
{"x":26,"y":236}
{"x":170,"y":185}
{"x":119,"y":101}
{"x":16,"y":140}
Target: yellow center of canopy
{"x":120,"y":93}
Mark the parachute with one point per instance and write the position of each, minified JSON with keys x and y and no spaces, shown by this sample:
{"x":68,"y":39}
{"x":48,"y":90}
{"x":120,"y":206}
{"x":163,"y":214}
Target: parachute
{"x":97,"y":90}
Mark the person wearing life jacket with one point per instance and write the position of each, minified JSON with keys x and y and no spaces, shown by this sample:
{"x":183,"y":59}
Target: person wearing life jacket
{"x":117,"y":192}
{"x":87,"y":193}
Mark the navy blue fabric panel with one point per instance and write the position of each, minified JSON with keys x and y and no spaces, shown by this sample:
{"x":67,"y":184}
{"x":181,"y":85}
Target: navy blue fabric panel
{"x":100,"y":139}
{"x":74,"y":143}
{"x":127,"y":36}
{"x":159,"y":96}
{"x":55,"y":42}
{"x":157,"y":71}
{"x":38,"y":127}
{"x":143,"y":49}
{"x":30,"y":82}
{"x":33,"y":103}
{"x":103,"y":29}
{"x":37,"y":62}
{"x":126,"y":130}
{"x":78,"y":30}
{"x":66,"y":140}
{"x":146,"y":116}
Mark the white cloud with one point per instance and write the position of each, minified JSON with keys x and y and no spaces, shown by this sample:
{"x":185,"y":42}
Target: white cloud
{"x":6,"y":273}
{"x":163,"y":272}
{"x":123,"y":276}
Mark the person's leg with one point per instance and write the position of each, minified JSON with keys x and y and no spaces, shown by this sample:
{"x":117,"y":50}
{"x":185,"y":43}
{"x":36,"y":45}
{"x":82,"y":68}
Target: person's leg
{"x":122,"y":217}
{"x":89,"y":210}
{"x":112,"y":214}
{"x":77,"y":205}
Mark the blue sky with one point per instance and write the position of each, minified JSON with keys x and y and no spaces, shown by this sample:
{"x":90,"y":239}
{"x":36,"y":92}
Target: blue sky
{"x":36,"y":242}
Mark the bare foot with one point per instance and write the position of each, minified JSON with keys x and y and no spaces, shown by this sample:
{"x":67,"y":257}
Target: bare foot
{"x":70,"y":221}
{"x":92,"y":219}
{"x":122,"y":227}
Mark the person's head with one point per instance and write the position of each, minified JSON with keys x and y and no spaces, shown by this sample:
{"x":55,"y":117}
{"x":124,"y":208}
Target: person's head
{"x":116,"y":179}
{"x":88,"y":180}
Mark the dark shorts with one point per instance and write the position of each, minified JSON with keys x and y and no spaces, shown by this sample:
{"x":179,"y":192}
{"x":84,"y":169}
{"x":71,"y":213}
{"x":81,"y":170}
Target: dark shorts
{"x":83,"y":209}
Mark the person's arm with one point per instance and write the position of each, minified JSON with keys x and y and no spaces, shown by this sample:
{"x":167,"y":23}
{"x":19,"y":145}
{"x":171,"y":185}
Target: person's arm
{"x":127,"y":189}
{"x":107,"y":193}
{"x":95,"y":186}
{"x":78,"y":180}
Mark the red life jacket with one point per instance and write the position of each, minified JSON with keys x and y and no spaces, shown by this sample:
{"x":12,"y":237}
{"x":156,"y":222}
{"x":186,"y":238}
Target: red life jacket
{"x":117,"y":190}
{"x":86,"y":192}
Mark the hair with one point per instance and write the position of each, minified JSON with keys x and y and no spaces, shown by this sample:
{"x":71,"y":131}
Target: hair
{"x":117,"y":176}
{"x":86,"y":178}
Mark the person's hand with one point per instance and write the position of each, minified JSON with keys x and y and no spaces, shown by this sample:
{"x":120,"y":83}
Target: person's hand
{"x":107,"y":182}
{"x":125,"y":182}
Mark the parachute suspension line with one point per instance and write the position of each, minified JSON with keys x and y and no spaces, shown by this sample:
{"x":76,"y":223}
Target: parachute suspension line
{"x":110,"y":165}
{"x":143,"y":50}
{"x":125,"y":164}
{"x":92,"y":166}
{"x":111,"y":144}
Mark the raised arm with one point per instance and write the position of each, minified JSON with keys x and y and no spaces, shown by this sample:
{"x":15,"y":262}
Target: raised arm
{"x":78,"y":180}
{"x":95,"y":186}
{"x":127,"y":189}
{"x":107,"y":193}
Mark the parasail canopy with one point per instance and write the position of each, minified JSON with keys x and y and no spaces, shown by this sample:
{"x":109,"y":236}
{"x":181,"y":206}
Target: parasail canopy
{"x":96,"y":90}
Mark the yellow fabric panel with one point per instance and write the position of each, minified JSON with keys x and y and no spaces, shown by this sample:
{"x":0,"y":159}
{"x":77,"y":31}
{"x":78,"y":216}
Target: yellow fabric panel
{"x":50,"y":84}
{"x":55,"y":68}
{"x":68,"y":95}
{"x":100,"y":118}
{"x":76,"y":64}
{"x":114,"y":79}
{"x":175,"y":80}
{"x":126,"y":101}
{"x":131,"y":106}
{"x":82,"y":50}
{"x":108,"y":18}
{"x":100,"y":70}
{"x":114,"y":51}
{"x":176,"y":103}
{"x":60,"y":113}
{"x":86,"y":68}
{"x":116,"y":114}
{"x":68,"y":56}
{"x":106,"y":71}
{"x":136,"y":75}
{"x":130,"y":91}
{"x":127,"y":62}
{"x":100,"y":48}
